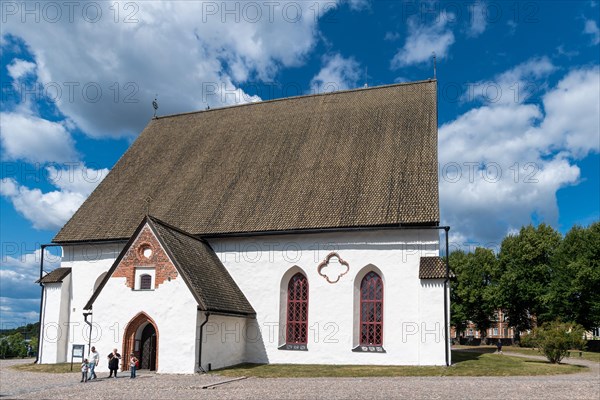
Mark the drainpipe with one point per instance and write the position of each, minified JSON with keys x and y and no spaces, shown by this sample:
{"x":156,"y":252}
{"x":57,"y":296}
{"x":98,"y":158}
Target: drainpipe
{"x":446,"y":311}
{"x":200,"y":344}
{"x":85,"y":318}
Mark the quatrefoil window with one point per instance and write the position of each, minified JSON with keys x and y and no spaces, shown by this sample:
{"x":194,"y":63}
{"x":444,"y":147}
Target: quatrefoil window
{"x":332,"y":268}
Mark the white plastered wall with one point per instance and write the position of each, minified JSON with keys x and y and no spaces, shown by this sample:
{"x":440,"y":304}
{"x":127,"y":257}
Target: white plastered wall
{"x":87,"y":263}
{"x":224,"y":340}
{"x":55,"y":309}
{"x":171,"y":306}
{"x":413,"y":309}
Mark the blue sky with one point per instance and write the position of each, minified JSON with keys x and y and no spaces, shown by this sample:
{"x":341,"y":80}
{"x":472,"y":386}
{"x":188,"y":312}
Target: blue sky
{"x":518,"y":99}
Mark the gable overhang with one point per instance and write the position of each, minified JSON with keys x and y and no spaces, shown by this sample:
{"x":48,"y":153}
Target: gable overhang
{"x":304,"y":231}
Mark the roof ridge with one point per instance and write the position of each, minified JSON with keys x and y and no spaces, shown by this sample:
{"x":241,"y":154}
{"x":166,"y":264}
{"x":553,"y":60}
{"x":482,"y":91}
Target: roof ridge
{"x":296,"y":97}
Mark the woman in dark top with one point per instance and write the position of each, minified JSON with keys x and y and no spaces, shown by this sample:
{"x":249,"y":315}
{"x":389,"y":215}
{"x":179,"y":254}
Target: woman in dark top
{"x":113,"y":362}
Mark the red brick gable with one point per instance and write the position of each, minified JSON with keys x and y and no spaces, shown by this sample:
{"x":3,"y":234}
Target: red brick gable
{"x":134,"y":257}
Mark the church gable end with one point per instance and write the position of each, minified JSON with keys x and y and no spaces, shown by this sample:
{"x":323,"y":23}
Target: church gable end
{"x":142,"y":256}
{"x":145,"y":258}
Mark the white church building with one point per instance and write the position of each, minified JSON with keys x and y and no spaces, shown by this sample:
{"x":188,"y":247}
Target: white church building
{"x":301,"y":230}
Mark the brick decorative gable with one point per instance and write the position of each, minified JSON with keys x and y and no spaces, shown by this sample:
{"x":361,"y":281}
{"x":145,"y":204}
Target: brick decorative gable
{"x":135,"y":258}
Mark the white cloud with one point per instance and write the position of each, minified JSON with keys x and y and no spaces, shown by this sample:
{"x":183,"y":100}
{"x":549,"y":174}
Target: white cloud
{"x":513,"y":86}
{"x":358,"y":5}
{"x":76,"y":178}
{"x":502,"y":163}
{"x":173,"y":49}
{"x":18,"y":69}
{"x":534,"y":68}
{"x":27,"y":137}
{"x":512,"y":26}
{"x":424,"y":39}
{"x":391,"y":36}
{"x":591,"y":28}
{"x":561,"y":51}
{"x":338,"y":73}
{"x":51,"y":210}
{"x":44,"y":210}
{"x":19,"y":273}
{"x":15,"y":312}
{"x":572,"y":121}
{"x":478,"y":19}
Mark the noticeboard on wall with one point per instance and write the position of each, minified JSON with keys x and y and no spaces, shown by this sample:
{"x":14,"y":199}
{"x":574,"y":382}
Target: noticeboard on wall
{"x":77,"y":352}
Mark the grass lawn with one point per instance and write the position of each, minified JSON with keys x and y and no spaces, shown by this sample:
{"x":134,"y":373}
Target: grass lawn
{"x":586,"y":355}
{"x":464,"y":364}
{"x":51,"y":368}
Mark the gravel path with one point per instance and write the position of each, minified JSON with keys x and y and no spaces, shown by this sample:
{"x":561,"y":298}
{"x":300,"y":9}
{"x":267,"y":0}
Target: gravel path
{"x":28,"y":385}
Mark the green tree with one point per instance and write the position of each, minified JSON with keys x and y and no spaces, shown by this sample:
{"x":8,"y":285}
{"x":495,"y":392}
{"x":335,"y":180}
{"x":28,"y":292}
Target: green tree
{"x":524,"y":273}
{"x":573,"y":294}
{"x":16,"y":345}
{"x":473,"y":298}
{"x":34,"y":343}
{"x":555,"y":339}
{"x":458,"y":314}
{"x":4,"y":347}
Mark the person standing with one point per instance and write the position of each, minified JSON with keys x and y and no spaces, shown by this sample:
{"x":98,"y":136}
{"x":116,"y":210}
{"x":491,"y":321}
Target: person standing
{"x":113,"y":363}
{"x":84,"y":370}
{"x":499,"y":345}
{"x":133,"y":364}
{"x":95,"y":358}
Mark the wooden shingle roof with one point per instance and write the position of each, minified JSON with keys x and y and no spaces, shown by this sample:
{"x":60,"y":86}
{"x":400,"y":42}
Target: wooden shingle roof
{"x":56,"y":276}
{"x":359,"y":158}
{"x":204,"y":273}
{"x":433,"y":268}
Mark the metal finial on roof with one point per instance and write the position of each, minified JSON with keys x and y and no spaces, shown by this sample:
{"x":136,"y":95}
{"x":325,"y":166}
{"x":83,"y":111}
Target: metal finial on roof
{"x":148,"y":201}
{"x":434,"y":64}
{"x":155,"y":105}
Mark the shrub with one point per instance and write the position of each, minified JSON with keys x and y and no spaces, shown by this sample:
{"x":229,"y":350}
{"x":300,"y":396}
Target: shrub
{"x":555,"y":339}
{"x":527,"y":340}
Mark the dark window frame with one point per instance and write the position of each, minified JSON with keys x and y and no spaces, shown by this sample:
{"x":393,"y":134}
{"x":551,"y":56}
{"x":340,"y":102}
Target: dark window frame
{"x":297,"y":310}
{"x":148,"y":279}
{"x":371,"y":310}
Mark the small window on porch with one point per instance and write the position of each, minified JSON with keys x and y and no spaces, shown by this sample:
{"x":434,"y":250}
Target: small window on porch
{"x":144,"y":278}
{"x":145,"y":282}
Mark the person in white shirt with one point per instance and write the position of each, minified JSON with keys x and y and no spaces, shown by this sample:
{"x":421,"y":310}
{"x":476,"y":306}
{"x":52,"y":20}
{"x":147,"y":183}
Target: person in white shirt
{"x":94,"y":359}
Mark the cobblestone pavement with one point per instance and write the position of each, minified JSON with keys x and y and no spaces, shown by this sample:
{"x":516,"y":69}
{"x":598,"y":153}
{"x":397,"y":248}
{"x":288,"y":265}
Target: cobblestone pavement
{"x":29,"y":385}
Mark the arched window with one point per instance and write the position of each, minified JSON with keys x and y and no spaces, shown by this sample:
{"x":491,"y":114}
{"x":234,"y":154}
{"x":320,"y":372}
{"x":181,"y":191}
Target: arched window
{"x":371,"y":310}
{"x":145,"y":282}
{"x":297,"y":310}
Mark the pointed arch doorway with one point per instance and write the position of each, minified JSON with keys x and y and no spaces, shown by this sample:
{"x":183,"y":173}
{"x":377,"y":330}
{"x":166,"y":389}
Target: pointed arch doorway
{"x":141,"y":338}
{"x":147,"y":348}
